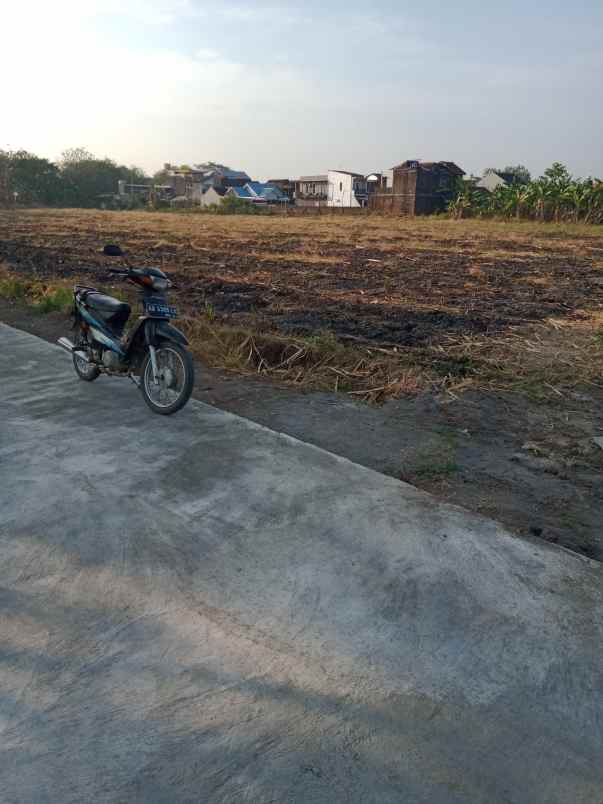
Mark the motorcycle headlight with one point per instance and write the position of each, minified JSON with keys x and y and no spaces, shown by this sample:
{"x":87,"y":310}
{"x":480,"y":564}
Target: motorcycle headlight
{"x":159,"y":283}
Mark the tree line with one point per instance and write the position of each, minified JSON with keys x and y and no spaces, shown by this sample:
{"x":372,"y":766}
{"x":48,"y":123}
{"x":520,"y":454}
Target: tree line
{"x":80,"y":179}
{"x":77,"y":179}
{"x":555,"y":196}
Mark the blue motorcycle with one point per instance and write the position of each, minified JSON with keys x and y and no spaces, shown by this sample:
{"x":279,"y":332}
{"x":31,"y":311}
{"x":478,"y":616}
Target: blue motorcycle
{"x":153,"y":354}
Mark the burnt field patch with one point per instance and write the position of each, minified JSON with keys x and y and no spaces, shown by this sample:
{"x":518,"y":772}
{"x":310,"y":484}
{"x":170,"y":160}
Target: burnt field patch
{"x":383,"y":281}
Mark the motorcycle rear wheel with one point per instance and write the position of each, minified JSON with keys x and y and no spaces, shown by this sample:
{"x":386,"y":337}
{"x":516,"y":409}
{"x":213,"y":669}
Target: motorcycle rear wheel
{"x":85,"y":371}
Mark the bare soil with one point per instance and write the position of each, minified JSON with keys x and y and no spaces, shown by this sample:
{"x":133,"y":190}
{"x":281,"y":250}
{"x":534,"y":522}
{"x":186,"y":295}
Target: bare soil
{"x":376,"y":280}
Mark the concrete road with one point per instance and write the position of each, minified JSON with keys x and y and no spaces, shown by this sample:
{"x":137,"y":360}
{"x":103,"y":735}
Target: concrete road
{"x":198,"y":609}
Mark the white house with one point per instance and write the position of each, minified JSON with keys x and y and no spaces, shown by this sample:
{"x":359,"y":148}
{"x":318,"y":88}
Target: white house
{"x":346,"y":189}
{"x":492,"y":179}
{"x":211,"y":196}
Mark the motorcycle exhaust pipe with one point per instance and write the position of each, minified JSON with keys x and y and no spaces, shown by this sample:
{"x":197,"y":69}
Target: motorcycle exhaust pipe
{"x":66,"y":344}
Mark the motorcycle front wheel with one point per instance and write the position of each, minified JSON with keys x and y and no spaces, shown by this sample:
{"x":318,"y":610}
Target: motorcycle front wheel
{"x":175,"y":378}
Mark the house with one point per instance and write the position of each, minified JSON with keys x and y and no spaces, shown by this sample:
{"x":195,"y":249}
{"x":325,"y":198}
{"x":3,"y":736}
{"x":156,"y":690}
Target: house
{"x":212,"y":196}
{"x":219,"y":176}
{"x":129,"y":194}
{"x":194,"y":182}
{"x":258,"y":192}
{"x":265,"y":191}
{"x":346,"y":189}
{"x":287,"y":186}
{"x":492,"y":179}
{"x":312,"y":191}
{"x":418,"y":188}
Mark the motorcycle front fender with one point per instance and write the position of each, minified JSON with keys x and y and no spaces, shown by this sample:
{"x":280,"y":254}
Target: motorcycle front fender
{"x":166,"y":331}
{"x":149,"y":331}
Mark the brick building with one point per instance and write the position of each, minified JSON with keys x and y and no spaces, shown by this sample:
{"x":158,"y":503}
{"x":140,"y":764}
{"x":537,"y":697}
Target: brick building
{"x":418,"y":188}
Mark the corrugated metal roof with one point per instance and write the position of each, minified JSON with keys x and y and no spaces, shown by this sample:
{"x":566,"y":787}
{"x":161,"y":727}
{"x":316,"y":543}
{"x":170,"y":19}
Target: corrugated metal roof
{"x":233,"y":174}
{"x":266,"y":191}
{"x":255,"y":187}
{"x":242,"y":192}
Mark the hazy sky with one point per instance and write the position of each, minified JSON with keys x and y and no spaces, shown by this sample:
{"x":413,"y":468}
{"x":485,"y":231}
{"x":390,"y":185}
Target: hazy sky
{"x":293,"y":88}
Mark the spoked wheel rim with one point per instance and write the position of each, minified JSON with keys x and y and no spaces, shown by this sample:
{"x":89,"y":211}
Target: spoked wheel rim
{"x":171,"y":378}
{"x":83,"y":366}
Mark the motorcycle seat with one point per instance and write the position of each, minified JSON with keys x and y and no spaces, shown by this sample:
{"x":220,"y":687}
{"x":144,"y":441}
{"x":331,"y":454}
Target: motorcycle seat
{"x":107,"y":304}
{"x":110,"y":310}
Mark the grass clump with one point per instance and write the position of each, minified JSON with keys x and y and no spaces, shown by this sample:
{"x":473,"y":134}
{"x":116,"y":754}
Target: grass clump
{"x":14,"y":288}
{"x":55,"y":300}
{"x":434,"y":460}
{"x":42,"y":297}
{"x":437,"y":469}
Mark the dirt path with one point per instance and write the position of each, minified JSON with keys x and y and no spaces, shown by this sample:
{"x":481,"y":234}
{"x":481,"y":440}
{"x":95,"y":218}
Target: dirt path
{"x":532,"y":466}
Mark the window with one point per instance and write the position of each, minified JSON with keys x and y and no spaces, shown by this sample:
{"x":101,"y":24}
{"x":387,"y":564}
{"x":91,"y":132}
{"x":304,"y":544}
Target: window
{"x":340,"y":186}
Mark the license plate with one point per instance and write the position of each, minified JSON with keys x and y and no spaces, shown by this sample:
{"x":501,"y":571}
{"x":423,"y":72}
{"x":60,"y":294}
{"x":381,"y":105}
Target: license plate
{"x":161,"y":310}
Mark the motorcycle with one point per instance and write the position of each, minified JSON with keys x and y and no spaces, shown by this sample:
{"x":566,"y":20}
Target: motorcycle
{"x":153,"y":354}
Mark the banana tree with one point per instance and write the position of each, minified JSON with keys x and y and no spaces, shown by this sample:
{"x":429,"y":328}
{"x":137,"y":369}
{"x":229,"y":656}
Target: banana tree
{"x":554,"y":196}
{"x":593,"y":201}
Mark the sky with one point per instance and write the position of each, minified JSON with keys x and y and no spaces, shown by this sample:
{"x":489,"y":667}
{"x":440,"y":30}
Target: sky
{"x":282,"y":90}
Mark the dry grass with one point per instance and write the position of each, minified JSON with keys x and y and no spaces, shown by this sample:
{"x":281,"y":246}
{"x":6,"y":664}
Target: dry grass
{"x":316,"y":363}
{"x":540,"y":361}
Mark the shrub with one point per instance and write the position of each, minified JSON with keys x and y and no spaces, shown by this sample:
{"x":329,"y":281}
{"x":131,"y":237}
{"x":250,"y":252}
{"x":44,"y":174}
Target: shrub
{"x":231,"y":205}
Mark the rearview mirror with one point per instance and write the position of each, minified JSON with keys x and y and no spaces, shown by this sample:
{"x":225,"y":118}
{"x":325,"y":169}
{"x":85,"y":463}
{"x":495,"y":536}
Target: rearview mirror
{"x":112,"y":250}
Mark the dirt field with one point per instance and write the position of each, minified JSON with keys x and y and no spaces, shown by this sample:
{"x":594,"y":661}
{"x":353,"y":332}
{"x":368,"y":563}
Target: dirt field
{"x":385,"y":280}
{"x":499,"y":328}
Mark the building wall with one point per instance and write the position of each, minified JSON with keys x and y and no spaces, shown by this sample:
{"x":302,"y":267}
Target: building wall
{"x":341,"y":190}
{"x":177,"y":183}
{"x":404,"y":187}
{"x":400,"y":196}
{"x":196,"y":193}
{"x":311,"y":191}
{"x":310,"y":202}
{"x":316,"y":189}
{"x":415,"y":191}
{"x":210,"y":197}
